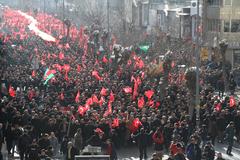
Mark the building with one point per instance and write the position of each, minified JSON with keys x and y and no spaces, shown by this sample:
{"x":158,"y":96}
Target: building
{"x":177,"y":17}
{"x":222,"y":21}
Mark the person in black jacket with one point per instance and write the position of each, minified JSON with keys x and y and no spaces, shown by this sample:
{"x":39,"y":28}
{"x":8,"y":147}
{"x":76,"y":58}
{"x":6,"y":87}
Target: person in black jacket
{"x":97,"y":139}
{"x":23,"y":143}
{"x":63,"y":148}
{"x":33,"y":151}
{"x":9,"y":138}
{"x":142,"y":141}
{"x":193,"y":150}
{"x":1,"y":140}
{"x":44,"y":142}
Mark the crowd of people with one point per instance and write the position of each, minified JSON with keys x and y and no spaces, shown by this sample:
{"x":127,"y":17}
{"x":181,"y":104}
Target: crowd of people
{"x":59,"y":96}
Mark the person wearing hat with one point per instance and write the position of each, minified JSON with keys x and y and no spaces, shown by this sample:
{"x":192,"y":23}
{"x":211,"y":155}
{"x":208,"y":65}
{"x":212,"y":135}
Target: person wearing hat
{"x":230,"y":132}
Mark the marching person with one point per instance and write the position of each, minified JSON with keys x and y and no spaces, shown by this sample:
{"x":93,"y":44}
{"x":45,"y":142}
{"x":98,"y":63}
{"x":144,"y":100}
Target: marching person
{"x":230,"y":132}
{"x":158,"y":140}
{"x":193,"y":150}
{"x":142,"y":141}
{"x":71,"y":151}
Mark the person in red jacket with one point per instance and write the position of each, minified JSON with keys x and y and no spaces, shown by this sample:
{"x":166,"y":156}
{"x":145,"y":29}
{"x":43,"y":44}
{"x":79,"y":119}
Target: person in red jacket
{"x":158,"y":141}
{"x":175,"y":148}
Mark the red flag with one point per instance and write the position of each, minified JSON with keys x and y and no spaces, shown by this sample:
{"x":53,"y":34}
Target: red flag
{"x":103,"y":91}
{"x":11,"y":91}
{"x":115,"y":122}
{"x":136,"y":124}
{"x":58,"y":67}
{"x":78,"y":68}
{"x":81,"y":110}
{"x":61,"y":56}
{"x":111,"y":98}
{"x":66,"y":67}
{"x":150,"y":103}
{"x":232,"y":101}
{"x":101,"y":101}
{"x":141,"y":102}
{"x":137,"y":82}
{"x":105,"y":60}
{"x":96,"y":75}
{"x":127,"y":89}
{"x":89,"y":101}
{"x":77,"y":97}
{"x":48,"y":73}
{"x":33,"y":73}
{"x":158,"y":104}
{"x":109,"y":107}
{"x":218,"y":107}
{"x":149,"y":94}
{"x":94,"y":99}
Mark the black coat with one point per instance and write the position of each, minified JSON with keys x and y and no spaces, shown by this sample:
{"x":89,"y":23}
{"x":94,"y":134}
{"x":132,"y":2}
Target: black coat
{"x":33,"y":152}
{"x":194,"y":152}
{"x":142,"y":139}
{"x":24,"y":142}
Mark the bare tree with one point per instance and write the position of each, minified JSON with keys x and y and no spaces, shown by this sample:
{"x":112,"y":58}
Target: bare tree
{"x":90,"y":11}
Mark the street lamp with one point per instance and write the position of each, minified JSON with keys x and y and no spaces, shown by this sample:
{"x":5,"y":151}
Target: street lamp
{"x":223,"y":44}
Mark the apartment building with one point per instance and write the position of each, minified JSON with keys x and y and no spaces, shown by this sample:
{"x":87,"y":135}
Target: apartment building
{"x":222,"y":21}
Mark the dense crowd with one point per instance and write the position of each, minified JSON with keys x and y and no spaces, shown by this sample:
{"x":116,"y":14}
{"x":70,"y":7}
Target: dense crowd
{"x":101,"y":99}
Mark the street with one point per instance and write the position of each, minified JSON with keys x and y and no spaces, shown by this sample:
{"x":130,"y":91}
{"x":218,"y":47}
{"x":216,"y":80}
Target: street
{"x":131,"y":153}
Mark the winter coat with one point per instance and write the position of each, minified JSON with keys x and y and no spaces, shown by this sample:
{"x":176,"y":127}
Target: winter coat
{"x":193,"y":152}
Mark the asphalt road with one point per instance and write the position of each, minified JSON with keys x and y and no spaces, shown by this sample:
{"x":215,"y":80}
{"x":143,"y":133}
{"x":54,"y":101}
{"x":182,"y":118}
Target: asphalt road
{"x":131,"y":153}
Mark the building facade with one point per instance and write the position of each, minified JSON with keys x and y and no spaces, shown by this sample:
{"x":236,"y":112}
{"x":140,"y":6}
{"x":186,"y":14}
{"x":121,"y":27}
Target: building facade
{"x":222,"y":21}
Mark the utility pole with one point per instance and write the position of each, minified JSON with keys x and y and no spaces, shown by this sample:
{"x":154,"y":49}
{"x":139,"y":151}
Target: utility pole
{"x":108,"y":16}
{"x":197,"y":56}
{"x":44,"y":10}
{"x":63,"y":17}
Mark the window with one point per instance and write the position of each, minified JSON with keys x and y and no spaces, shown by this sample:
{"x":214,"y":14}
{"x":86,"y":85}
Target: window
{"x":214,"y":25}
{"x":226,"y":26}
{"x":235,"y":26}
{"x":227,"y":2}
{"x":157,"y":1}
{"x":214,"y":2}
